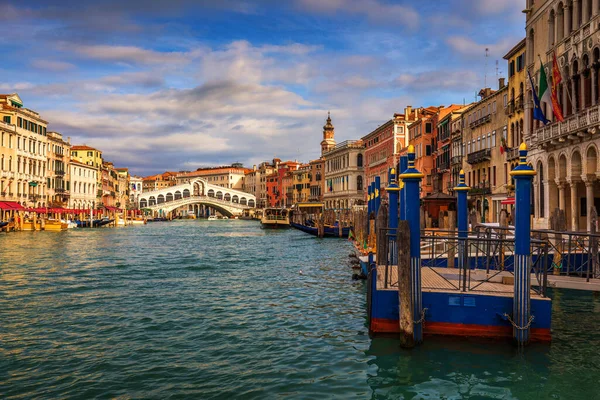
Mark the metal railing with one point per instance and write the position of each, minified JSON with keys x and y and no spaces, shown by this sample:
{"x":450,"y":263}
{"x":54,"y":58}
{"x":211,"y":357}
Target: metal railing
{"x":489,"y":258}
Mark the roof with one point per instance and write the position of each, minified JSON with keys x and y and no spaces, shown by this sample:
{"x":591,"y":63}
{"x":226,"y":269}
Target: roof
{"x":83,"y":147}
{"x":515,"y":50}
{"x":73,"y":161}
{"x":439,"y":197}
{"x":378,"y":129}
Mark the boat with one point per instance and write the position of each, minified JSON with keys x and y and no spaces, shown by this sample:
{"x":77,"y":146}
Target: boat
{"x":102,"y":222}
{"x":212,"y":218}
{"x":3,"y":224}
{"x":55,"y":225}
{"x":276,"y":218}
{"x":305,"y":215}
{"x":190,"y":215}
{"x":139,"y":221}
{"x":70,"y":224}
{"x":157,"y":219}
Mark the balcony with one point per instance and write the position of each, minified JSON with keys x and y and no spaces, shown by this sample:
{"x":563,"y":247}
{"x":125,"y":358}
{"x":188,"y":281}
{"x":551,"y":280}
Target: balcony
{"x":479,"y":156}
{"x":510,"y":108}
{"x":481,"y":121}
{"x":443,"y":167}
{"x":456,"y":160}
{"x":59,"y":173}
{"x":571,"y":129}
{"x":512,"y":154}
{"x":519,"y":103}
{"x":481,"y":188}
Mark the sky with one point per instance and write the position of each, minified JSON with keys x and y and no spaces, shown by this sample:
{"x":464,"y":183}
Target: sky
{"x":181,"y":84}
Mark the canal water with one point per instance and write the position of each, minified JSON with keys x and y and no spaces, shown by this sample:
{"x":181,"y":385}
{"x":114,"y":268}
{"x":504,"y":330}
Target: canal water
{"x":222,"y":309}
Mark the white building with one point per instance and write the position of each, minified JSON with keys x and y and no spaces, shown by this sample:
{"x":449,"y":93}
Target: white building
{"x":565,"y":154}
{"x":84,"y":180}
{"x":344,"y":175}
{"x":135,"y":186}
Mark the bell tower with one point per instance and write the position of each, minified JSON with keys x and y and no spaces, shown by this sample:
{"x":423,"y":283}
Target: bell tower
{"x":328,"y":141}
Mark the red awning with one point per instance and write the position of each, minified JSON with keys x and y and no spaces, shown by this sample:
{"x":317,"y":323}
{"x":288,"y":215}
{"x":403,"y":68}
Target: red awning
{"x":11,"y":205}
{"x":509,"y":200}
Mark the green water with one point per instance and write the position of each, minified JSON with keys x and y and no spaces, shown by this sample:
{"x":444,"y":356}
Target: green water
{"x":219,"y":309}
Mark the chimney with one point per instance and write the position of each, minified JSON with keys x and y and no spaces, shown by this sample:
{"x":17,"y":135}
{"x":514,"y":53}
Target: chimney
{"x":500,"y":83}
{"x":407,"y":111}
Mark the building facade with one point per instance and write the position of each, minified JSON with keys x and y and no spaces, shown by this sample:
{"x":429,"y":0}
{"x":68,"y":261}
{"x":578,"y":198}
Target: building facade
{"x":231,"y":177}
{"x":486,"y":169}
{"x":58,"y":181}
{"x":28,"y":169}
{"x":317,"y":181}
{"x":301,"y":182}
{"x":83,"y":185}
{"x":344,"y":175}
{"x":135,"y":190}
{"x":565,"y":154}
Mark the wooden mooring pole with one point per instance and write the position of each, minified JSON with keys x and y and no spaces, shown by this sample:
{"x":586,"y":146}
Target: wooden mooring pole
{"x":405,"y":305}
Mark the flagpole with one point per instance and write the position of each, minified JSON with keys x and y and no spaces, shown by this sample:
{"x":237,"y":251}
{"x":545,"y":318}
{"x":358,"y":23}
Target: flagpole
{"x":566,"y":86}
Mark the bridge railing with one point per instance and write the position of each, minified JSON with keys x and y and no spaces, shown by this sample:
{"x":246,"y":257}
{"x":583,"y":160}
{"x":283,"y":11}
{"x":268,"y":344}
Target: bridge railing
{"x":186,"y":200}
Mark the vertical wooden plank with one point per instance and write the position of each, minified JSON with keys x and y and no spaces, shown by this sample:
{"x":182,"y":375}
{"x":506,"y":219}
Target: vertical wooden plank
{"x":405,"y":306}
{"x":453,"y":239}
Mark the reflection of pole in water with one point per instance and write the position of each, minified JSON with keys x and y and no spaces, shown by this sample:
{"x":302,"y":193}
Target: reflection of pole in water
{"x":596,"y":302}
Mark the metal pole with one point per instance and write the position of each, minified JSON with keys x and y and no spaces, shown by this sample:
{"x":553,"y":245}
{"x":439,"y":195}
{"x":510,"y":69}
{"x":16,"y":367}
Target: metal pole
{"x":412,"y":179}
{"x":463,"y":224}
{"x":523,"y":175}
{"x":393,"y":191}
{"x":403,"y":167}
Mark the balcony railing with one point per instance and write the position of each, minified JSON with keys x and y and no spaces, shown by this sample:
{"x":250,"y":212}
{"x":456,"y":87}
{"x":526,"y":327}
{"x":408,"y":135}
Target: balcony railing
{"x":512,"y":154}
{"x":443,"y":167}
{"x":519,"y":103}
{"x":456,"y":160}
{"x":481,"y":121}
{"x":481,"y":188}
{"x":510,"y":108}
{"x":572,"y":128}
{"x":451,"y":185}
{"x":59,"y":173}
{"x":479,"y":156}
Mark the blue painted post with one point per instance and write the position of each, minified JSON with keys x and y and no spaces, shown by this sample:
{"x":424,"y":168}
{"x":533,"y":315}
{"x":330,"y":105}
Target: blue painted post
{"x":412,"y":179}
{"x":376,"y":192}
{"x":393,"y":191}
{"x":369,"y":200}
{"x":523,"y":175}
{"x":463,"y":223}
{"x":403,"y":167}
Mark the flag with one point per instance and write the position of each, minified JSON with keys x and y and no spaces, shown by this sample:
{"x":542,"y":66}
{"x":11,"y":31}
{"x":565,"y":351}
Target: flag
{"x":537,"y":110}
{"x":556,"y":79}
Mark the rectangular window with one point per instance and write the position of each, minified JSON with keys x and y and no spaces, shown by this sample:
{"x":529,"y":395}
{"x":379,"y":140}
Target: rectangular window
{"x":428,"y":127}
{"x":19,"y":122}
{"x":505,"y":174}
{"x":494,"y":177}
{"x":494,"y":107}
{"x":7,"y":119}
{"x":505,"y":100}
{"x":428,"y":150}
{"x":494,"y":139}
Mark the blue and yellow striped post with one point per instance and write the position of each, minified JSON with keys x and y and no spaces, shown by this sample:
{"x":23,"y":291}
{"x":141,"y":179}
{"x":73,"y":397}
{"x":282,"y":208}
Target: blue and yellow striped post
{"x":393,"y":190}
{"x":403,"y":167}
{"x":369,"y":204}
{"x":463,"y":222}
{"x":523,"y":175}
{"x":376,"y":192}
{"x":412,"y":179}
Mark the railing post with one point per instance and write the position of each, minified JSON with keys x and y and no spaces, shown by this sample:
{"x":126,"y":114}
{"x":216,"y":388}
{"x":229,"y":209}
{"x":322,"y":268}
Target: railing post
{"x":377,"y":194}
{"x":463,"y":223}
{"x":412,"y":179}
{"x":402,"y":206}
{"x":523,"y":175}
{"x":392,"y":191}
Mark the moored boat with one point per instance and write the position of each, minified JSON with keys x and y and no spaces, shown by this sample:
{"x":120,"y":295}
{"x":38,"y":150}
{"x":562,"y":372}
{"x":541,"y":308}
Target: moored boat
{"x":305,"y":217}
{"x":276,"y":218}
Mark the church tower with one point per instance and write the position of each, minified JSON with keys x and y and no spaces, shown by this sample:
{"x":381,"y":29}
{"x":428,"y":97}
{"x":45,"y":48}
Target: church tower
{"x":328,"y":142}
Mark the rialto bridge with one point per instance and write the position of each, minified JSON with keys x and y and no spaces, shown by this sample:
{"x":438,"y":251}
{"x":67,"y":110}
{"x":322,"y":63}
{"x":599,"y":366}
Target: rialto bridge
{"x":197,"y":192}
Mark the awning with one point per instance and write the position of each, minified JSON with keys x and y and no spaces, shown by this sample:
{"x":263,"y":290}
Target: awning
{"x":509,"y":200}
{"x":111,"y":208}
{"x":11,"y":205}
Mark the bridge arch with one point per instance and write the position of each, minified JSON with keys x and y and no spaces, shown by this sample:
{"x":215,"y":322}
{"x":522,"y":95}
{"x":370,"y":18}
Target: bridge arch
{"x":199,"y":187}
{"x":186,"y":193}
{"x":211,"y":193}
{"x":243,"y":201}
{"x":219,"y":195}
{"x":160,"y":199}
{"x":227,"y":197}
{"x":143,"y":203}
{"x":152,"y":201}
{"x":251,"y":203}
{"x":177,"y":195}
{"x":235,"y":199}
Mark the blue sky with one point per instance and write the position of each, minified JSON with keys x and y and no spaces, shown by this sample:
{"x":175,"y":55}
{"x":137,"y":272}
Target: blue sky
{"x":179,"y":84}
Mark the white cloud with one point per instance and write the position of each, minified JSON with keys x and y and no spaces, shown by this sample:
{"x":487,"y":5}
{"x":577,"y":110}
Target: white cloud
{"x":468,"y":47}
{"x":131,"y":54}
{"x":52,"y":65}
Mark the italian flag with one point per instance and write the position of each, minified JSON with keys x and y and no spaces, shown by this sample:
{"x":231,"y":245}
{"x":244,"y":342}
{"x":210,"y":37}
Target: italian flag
{"x":550,"y":96}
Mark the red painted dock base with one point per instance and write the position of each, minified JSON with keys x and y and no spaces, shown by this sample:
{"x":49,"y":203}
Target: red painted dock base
{"x":382,"y":325}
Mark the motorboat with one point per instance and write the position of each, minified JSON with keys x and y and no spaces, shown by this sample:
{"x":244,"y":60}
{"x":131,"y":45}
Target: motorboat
{"x":212,"y":218}
{"x":275,"y":218}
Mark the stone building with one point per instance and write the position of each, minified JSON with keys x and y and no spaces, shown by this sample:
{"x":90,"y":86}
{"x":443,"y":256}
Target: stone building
{"x":58,"y":180}
{"x":565,"y":154}
{"x":317,"y":181}
{"x":344,"y":175}
{"x":485,"y":166}
{"x":301,"y":184}
{"x":25,"y":158}
{"x":83,"y":185}
{"x":255,"y":181}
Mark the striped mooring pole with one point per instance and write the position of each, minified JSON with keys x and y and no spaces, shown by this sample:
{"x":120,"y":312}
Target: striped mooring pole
{"x":369,"y":200}
{"x":521,"y":319}
{"x":376,"y":192}
{"x":412,"y":179}
{"x":393,"y":191}
{"x":403,"y":167}
{"x":463,"y":223}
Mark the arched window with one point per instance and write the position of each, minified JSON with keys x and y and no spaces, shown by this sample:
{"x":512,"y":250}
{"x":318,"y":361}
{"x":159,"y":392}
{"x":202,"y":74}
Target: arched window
{"x":160,"y":199}
{"x":359,"y":160}
{"x":186,"y":193}
{"x":169,"y":197}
